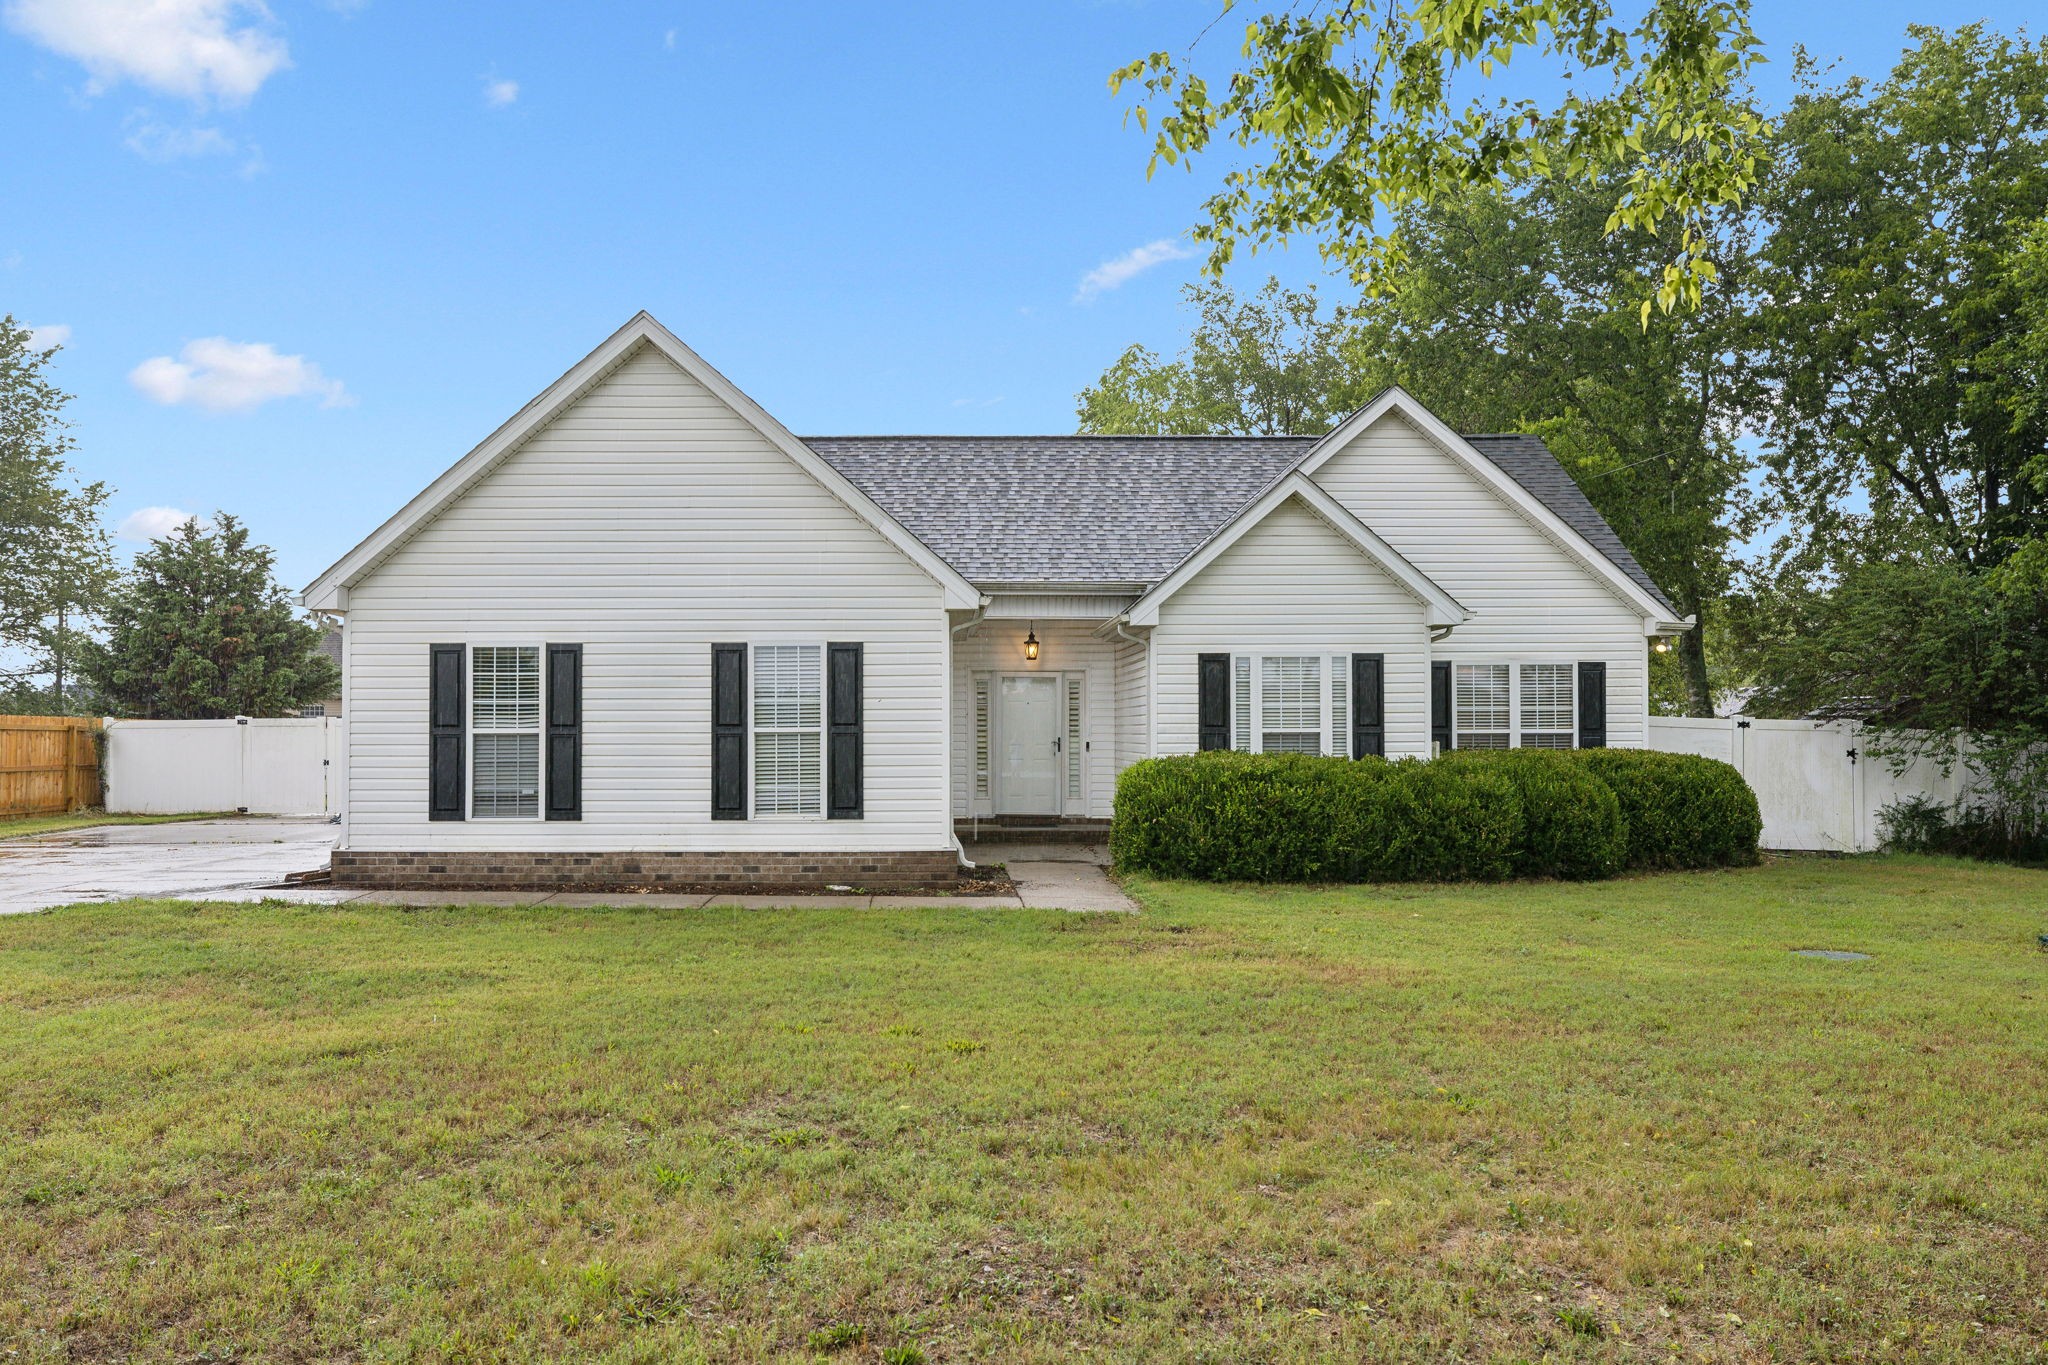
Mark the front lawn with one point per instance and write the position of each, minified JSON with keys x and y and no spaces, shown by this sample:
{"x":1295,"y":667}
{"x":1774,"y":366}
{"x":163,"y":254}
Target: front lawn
{"x":1604,"y":1122}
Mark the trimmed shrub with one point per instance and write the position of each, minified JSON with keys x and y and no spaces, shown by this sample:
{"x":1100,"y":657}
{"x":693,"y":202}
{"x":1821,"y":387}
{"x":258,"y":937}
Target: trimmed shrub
{"x":1227,"y":816}
{"x":1572,"y":825}
{"x":1680,"y":810}
{"x":1440,"y":823}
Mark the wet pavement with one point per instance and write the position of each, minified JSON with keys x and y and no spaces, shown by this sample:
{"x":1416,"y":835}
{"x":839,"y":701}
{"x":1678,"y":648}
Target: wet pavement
{"x":244,"y":860}
{"x":184,"y":858}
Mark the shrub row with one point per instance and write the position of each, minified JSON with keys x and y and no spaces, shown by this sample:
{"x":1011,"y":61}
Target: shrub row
{"x":1466,"y":817}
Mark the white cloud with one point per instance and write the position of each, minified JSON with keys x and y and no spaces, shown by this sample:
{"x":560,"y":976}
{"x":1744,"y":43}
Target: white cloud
{"x":233,"y":376}
{"x":198,"y":49}
{"x":668,"y":40}
{"x":153,"y":523}
{"x":498,"y":94}
{"x":1114,"y":274}
{"x":153,"y":140}
{"x":48,"y":335}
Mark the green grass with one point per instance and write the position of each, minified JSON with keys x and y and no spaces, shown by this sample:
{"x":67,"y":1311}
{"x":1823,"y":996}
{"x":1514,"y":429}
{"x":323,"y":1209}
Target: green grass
{"x":90,"y":819}
{"x":1612,"y":1122}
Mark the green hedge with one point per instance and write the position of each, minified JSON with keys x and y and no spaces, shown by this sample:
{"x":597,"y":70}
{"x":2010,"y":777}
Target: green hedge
{"x":1681,"y":810}
{"x":1469,"y":817}
{"x":1572,"y":823}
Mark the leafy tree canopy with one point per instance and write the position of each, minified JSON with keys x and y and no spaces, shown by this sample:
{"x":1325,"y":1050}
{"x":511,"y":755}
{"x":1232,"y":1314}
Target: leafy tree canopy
{"x":1273,"y":364}
{"x":1353,"y":113}
{"x":201,"y":629}
{"x":55,"y":562}
{"x":1898,"y":325}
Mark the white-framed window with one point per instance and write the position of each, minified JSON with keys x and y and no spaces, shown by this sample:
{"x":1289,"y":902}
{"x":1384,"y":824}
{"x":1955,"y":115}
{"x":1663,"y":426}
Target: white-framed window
{"x":313,"y":711}
{"x":1291,"y":703}
{"x":1550,"y":716}
{"x":1482,"y":702}
{"x":504,"y":732}
{"x":1520,"y":705}
{"x":787,"y":716}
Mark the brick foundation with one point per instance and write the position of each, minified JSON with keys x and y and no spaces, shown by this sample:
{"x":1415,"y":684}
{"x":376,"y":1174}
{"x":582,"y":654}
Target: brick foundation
{"x":482,"y":871}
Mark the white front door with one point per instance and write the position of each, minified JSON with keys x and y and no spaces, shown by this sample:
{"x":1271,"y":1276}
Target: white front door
{"x":1028,"y":726}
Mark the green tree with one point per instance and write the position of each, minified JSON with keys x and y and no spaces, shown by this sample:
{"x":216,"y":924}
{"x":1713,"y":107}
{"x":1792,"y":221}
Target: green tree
{"x":1518,"y":313}
{"x":1270,"y":365}
{"x":1351,"y":116}
{"x":55,"y":562}
{"x":201,"y":629}
{"x":1898,"y":331}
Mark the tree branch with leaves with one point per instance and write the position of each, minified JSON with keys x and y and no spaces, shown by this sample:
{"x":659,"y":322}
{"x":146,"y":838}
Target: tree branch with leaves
{"x":1353,"y":115}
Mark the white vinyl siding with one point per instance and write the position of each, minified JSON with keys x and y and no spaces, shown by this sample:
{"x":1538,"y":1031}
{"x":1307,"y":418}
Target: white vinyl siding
{"x":647,"y":522}
{"x":1530,"y":599}
{"x":1291,"y":586}
{"x":788,"y":720}
{"x":504,"y":725}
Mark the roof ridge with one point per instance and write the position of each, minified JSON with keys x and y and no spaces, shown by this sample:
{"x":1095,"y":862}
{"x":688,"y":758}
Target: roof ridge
{"x":1049,"y":436}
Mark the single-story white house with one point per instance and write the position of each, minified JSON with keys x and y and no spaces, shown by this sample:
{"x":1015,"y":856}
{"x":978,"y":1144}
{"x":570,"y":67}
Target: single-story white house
{"x":644,"y":634}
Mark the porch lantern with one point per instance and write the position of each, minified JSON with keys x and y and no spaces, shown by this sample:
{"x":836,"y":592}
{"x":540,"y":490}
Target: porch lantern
{"x":1031,"y":642}
{"x":1663,"y":645}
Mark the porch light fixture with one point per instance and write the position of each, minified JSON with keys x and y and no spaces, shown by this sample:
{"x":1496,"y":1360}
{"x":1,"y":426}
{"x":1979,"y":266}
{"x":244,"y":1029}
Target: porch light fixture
{"x":1031,"y":642}
{"x":1663,"y":645}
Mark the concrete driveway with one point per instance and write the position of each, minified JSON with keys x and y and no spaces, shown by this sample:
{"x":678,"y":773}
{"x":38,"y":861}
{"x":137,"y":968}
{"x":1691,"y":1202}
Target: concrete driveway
{"x":115,"y":862}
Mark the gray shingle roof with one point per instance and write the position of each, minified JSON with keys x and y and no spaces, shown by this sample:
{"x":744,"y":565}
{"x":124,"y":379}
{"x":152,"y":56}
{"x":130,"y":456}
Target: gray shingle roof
{"x":1120,"y":509}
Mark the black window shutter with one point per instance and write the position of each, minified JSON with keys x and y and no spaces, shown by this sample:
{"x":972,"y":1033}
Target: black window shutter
{"x":728,"y":732}
{"x":1440,"y":706}
{"x":843,"y":758}
{"x":565,"y":732}
{"x":1214,"y":705}
{"x":445,"y":785}
{"x":1368,"y":705}
{"x":1592,"y":705}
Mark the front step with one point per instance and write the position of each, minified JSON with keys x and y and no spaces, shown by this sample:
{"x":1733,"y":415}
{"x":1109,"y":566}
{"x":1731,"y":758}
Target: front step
{"x":1032,"y":829}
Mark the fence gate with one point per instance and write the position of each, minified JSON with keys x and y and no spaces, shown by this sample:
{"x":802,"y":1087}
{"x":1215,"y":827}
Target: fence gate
{"x":1817,"y":784}
{"x":257,"y":766}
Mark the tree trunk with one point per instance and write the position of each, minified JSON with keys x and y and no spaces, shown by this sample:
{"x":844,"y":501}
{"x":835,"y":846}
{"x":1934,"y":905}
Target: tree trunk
{"x":1692,"y":664}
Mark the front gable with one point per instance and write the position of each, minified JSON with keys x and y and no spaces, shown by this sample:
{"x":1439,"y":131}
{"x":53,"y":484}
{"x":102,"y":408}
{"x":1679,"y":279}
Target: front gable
{"x":684,"y":410}
{"x":1474,"y":531}
{"x":1404,"y":473}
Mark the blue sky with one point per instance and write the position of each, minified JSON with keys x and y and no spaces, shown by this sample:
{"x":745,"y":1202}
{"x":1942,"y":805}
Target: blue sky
{"x":303,"y":259}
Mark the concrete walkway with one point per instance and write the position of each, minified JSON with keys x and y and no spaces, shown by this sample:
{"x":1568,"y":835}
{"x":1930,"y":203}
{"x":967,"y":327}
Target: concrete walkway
{"x":181,"y":859}
{"x":243,"y":860}
{"x":1056,"y":876}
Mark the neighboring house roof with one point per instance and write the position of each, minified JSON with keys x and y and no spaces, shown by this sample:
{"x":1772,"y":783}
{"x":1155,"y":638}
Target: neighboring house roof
{"x":1125,"y":509}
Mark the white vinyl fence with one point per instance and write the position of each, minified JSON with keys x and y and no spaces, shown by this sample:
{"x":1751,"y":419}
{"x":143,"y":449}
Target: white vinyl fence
{"x":1818,"y":784}
{"x":261,"y":767}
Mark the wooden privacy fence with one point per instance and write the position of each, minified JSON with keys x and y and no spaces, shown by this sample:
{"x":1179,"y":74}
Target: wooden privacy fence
{"x":49,"y":765}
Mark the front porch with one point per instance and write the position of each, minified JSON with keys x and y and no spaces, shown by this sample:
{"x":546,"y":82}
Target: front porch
{"x":1048,"y":708}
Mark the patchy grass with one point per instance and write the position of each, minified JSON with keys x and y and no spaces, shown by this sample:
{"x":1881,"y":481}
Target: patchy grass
{"x":56,"y":824}
{"x":1591,"y":1123}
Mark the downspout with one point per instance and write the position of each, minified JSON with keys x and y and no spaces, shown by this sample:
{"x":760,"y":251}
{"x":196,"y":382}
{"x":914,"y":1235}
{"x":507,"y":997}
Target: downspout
{"x":952,"y":830}
{"x":1438,"y":634}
